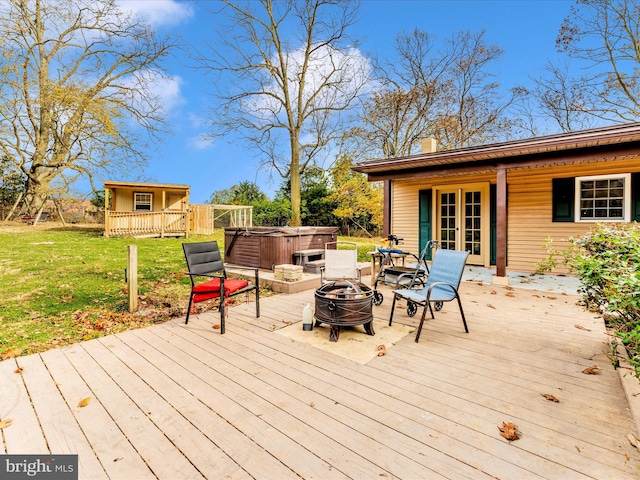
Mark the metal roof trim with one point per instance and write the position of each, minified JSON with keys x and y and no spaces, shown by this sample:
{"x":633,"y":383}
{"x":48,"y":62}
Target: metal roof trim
{"x":602,"y":136}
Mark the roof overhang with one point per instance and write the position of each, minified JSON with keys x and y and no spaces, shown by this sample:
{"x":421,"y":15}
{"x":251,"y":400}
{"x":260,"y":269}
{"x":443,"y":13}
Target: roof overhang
{"x":110,"y":185}
{"x":587,"y":145}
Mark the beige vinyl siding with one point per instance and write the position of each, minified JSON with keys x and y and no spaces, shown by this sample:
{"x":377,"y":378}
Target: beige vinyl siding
{"x":404,"y":216}
{"x":529,"y":217}
{"x":405,"y":205}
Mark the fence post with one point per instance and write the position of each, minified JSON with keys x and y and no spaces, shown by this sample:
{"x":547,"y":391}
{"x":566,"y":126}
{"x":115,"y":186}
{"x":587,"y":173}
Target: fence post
{"x":132,"y":278}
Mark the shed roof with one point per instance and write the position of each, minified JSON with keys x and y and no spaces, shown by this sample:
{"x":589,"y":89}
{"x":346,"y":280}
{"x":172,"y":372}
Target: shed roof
{"x":617,"y":138}
{"x":170,"y":186}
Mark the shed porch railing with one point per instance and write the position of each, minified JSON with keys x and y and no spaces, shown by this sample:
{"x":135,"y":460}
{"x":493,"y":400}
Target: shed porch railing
{"x":145,"y":223}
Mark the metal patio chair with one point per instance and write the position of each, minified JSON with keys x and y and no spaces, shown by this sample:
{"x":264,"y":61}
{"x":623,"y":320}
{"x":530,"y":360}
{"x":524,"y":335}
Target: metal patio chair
{"x":204,"y":260}
{"x":340,"y":264}
{"x":442,"y":285}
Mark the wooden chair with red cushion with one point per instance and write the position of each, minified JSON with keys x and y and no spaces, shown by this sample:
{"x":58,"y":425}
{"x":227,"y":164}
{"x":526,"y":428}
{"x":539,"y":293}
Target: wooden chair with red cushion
{"x":204,"y":260}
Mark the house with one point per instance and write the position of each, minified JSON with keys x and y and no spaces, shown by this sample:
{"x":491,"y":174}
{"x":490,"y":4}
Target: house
{"x":501,"y":202}
{"x":146,"y":209}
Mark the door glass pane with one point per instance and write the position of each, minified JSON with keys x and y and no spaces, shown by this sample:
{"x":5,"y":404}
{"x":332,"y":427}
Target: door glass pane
{"x":448,"y":221}
{"x":473,"y":222}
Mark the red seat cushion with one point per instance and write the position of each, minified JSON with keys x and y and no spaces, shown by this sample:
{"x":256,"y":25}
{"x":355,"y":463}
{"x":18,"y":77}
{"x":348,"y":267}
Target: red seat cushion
{"x":211,"y":289}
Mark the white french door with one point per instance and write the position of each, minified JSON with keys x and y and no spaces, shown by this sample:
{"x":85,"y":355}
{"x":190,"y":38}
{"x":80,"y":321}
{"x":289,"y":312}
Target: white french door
{"x":462,"y":220}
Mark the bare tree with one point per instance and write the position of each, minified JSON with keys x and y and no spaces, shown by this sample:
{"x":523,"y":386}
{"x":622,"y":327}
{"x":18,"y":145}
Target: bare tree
{"x":286,"y":71}
{"x":76,"y":90}
{"x":475,"y":107}
{"x":560,"y":98}
{"x":406,"y":105}
{"x":605,"y":34}
{"x":442,"y":90}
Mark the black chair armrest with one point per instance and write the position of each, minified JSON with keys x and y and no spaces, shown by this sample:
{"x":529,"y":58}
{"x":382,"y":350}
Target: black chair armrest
{"x":235,"y":267}
{"x":210,"y":275}
{"x":238,"y":267}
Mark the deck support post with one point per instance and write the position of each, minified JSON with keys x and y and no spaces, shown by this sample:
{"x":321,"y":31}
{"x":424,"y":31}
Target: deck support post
{"x":501,"y":222}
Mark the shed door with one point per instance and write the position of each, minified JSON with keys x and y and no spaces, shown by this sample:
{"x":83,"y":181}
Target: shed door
{"x":463,"y":220}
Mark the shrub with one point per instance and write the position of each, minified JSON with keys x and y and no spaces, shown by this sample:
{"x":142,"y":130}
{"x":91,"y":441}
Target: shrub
{"x":607,"y":261}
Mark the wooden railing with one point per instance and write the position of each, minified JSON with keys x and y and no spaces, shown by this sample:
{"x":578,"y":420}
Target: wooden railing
{"x":145,"y":224}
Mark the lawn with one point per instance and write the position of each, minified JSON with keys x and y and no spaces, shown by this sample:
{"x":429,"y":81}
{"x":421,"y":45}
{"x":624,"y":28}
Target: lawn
{"x":61,"y":285}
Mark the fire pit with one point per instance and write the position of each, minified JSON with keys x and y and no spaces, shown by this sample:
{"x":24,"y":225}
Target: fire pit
{"x":343,"y":304}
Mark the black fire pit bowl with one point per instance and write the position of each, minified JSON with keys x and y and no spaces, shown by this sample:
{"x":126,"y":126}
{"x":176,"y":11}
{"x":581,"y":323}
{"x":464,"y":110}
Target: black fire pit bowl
{"x":342,"y":304}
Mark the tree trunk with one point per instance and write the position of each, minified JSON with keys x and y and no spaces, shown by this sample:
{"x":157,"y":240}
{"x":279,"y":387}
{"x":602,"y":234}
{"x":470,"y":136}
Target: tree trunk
{"x":296,"y":220}
{"x":35,"y":195}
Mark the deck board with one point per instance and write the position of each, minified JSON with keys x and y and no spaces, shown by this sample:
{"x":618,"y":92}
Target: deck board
{"x":184,"y":401}
{"x":116,"y":454}
{"x":58,"y":423}
{"x":24,"y":435}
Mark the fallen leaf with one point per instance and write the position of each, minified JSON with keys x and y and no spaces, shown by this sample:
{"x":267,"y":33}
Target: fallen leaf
{"x":216,"y":326}
{"x":382,"y":350}
{"x":490,"y":306}
{"x":84,"y":402}
{"x":18,"y":370}
{"x":590,"y":370}
{"x":8,"y":354}
{"x":551,"y":298}
{"x":580,"y":327}
{"x":5,"y":423}
{"x":493,"y":292}
{"x":632,"y":440}
{"x":550,"y":397}
{"x":508,"y":288}
{"x":510,"y":294}
{"x":577,"y":448}
{"x":509,"y":431}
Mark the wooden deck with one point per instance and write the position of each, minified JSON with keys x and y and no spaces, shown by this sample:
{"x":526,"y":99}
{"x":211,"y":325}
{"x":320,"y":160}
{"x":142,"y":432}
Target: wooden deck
{"x":176,"y":402}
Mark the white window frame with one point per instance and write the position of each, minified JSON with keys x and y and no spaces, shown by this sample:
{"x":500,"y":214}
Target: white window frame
{"x":136,"y":202}
{"x":626,"y":201}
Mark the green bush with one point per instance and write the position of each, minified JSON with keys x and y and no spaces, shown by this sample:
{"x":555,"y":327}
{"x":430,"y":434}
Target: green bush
{"x":607,"y":261}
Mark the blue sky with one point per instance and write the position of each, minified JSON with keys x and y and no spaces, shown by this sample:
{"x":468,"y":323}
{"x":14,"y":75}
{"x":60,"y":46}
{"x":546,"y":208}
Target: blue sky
{"x":524,"y":29}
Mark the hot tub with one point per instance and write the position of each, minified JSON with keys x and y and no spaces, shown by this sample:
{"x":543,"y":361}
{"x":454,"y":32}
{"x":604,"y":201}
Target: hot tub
{"x":265,"y":247}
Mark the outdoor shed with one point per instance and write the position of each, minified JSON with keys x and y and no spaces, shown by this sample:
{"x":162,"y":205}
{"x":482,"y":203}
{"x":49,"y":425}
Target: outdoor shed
{"x":501,"y":202}
{"x":146,"y":209}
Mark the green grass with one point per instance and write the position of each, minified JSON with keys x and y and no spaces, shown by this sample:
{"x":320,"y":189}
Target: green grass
{"x":61,"y":285}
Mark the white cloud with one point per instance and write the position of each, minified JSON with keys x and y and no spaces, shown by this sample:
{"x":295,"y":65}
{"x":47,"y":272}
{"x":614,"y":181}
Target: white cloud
{"x":159,"y":12}
{"x":333,"y":76}
{"x":168,"y":91}
{"x":197,"y":121}
{"x":200,"y":142}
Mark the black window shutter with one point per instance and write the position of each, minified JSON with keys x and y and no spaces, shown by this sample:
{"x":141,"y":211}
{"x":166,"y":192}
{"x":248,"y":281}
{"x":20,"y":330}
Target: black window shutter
{"x":563,"y":199}
{"x":635,"y":197}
